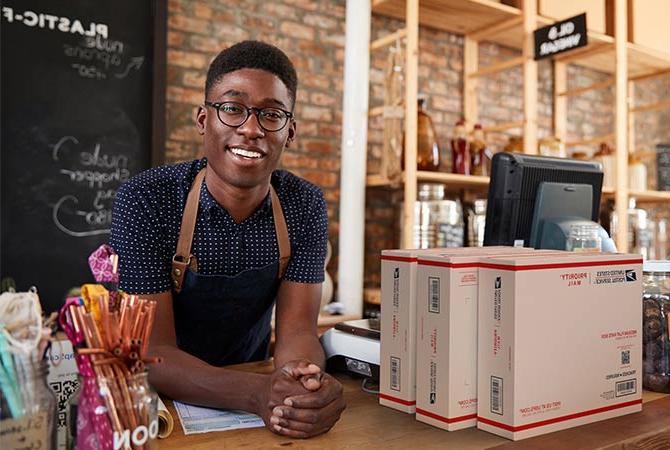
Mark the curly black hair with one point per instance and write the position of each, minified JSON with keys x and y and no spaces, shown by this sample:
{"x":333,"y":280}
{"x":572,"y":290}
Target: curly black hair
{"x":253,"y":55}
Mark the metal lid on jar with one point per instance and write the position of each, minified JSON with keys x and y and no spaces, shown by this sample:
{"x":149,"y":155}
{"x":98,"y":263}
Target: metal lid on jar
{"x":656,"y":266}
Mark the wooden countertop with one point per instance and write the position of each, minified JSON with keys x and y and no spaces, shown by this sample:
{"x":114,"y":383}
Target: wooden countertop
{"x":367,"y":425}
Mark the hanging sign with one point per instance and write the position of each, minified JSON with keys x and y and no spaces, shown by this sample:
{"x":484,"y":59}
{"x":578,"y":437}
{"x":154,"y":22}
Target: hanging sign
{"x":560,"y":37}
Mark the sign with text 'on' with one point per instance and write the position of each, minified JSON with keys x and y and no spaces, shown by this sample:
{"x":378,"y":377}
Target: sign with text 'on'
{"x":560,"y":37}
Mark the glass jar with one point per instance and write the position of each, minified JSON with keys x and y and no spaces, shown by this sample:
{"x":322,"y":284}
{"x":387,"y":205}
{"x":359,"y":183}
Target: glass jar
{"x":584,"y":238}
{"x":30,"y":421}
{"x":655,"y":316}
{"x":476,"y":216}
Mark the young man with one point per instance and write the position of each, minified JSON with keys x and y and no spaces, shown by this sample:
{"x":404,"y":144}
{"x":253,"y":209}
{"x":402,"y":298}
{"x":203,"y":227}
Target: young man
{"x":216,"y":241}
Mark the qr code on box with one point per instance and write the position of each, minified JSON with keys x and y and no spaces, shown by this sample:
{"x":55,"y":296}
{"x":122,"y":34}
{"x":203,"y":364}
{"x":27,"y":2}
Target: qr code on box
{"x":625,"y":357}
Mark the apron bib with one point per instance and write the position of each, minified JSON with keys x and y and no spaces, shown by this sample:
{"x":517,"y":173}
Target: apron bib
{"x":224,"y":319}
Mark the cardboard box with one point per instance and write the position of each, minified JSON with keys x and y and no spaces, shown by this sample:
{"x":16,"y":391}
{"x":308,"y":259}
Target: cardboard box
{"x":563,"y":9}
{"x":648,"y":23}
{"x":446,"y":356}
{"x":559,"y":342}
{"x":397,"y":371}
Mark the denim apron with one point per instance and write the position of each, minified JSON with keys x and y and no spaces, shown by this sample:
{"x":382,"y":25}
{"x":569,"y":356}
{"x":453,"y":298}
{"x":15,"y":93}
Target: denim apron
{"x":224,"y":319}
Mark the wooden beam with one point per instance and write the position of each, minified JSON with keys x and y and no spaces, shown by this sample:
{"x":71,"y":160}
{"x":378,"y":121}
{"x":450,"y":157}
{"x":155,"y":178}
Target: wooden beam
{"x":621,"y":122}
{"x":560,"y":102}
{"x":388,"y":39}
{"x":581,"y":90}
{"x":503,"y":126}
{"x":411,"y":125}
{"x":582,"y":53}
{"x":470,"y":66}
{"x":529,"y":78}
{"x":492,"y":30}
{"x":631,"y":116}
{"x":591,"y":140}
{"x":651,"y":107}
{"x":498,"y":67}
{"x":650,"y":75}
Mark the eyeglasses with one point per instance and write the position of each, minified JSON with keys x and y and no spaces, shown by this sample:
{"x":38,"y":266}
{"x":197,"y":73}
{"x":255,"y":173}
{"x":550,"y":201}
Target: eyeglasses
{"x":235,"y":114}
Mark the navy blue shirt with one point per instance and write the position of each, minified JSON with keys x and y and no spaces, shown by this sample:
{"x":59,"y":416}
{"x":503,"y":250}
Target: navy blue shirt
{"x":147,"y":216}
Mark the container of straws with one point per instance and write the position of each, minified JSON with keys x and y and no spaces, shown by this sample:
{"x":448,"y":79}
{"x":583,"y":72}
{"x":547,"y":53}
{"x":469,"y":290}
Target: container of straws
{"x":27,"y":405}
{"x":117,"y":408}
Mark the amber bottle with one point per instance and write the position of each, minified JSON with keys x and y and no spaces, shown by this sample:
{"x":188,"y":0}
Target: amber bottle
{"x":478,"y":163}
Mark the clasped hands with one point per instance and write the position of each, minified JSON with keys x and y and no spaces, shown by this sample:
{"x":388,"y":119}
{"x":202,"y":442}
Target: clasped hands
{"x":301,"y":401}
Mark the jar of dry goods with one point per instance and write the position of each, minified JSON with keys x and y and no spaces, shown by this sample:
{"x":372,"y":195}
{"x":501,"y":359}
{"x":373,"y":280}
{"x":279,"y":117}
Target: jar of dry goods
{"x":655,"y":317}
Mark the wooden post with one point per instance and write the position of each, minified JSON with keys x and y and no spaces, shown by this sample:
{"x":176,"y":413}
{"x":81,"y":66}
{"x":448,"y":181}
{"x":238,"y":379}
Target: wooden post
{"x":560,"y":101}
{"x":470,"y":65}
{"x":411,"y":125}
{"x":529,"y":78}
{"x":621,"y":123}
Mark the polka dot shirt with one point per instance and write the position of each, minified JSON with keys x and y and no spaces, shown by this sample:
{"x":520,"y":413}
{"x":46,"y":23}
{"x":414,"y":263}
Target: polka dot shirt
{"x":147,"y":216}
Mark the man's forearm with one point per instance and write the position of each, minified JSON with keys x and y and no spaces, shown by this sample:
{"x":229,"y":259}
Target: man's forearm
{"x":186,"y":378}
{"x":299,"y":346}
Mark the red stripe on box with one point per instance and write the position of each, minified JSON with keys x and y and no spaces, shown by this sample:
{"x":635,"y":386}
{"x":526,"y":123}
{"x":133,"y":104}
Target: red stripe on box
{"x":424,"y":262}
{"x":397,"y":400}
{"x":557,"y":419}
{"x":559,"y":265}
{"x":398,"y":258}
{"x":423,"y":412}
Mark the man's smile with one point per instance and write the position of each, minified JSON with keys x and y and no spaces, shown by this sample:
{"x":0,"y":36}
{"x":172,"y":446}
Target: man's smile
{"x":246,"y":153}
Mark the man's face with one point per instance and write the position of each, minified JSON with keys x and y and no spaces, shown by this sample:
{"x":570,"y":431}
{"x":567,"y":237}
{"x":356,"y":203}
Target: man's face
{"x":245,"y":156}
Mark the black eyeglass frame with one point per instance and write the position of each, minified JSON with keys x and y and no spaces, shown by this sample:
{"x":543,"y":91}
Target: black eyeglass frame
{"x":249,"y":109}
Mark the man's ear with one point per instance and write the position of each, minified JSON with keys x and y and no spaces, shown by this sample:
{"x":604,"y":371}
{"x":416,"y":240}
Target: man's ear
{"x":292,"y":129}
{"x":200,"y":119}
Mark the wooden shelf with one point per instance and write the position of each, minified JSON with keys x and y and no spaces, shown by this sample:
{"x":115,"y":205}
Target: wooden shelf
{"x":650,"y":196}
{"x":456,"y":16}
{"x":452,"y":180}
{"x":470,"y":16}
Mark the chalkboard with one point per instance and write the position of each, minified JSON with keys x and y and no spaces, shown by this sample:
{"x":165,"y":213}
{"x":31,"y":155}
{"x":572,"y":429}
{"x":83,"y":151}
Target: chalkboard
{"x":78,"y":119}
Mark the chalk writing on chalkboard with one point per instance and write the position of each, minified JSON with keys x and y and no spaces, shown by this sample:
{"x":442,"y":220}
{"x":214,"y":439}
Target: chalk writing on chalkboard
{"x":94,"y":171}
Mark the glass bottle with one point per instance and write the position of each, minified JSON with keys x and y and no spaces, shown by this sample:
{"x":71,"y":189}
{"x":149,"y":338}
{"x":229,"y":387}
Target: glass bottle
{"x":478,"y":165}
{"x":584,"y":238}
{"x":35,"y":409}
{"x":655,"y":336}
{"x":427,"y":149}
{"x":460,"y":150}
{"x":427,"y":152}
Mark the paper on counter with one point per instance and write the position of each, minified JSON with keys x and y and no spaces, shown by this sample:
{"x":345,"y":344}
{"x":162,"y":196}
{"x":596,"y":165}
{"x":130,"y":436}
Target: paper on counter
{"x":196,"y":419}
{"x":165,"y":420}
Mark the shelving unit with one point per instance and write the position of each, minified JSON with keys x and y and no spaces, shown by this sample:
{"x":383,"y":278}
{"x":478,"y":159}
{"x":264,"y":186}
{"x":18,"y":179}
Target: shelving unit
{"x":486,"y":20}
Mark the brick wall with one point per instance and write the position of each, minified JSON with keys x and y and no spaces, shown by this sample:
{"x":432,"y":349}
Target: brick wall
{"x":312,"y":34}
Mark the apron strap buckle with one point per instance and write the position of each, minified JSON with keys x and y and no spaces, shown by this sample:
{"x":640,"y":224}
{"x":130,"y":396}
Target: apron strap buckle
{"x":179,"y":266}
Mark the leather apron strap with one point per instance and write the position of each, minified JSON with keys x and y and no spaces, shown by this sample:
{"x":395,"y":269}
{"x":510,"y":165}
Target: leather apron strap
{"x":183,"y":258}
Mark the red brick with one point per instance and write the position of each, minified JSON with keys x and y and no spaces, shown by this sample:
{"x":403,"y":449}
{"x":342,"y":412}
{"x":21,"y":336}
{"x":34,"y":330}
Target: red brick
{"x":259,"y":22}
{"x":205,"y":44}
{"x":321,"y":179}
{"x":321,"y":99}
{"x":320,"y":21}
{"x":186,"y":59}
{"x":187,"y":133}
{"x":297,"y":30}
{"x":202,"y":11}
{"x":307,"y":129}
{"x":330,"y":130}
{"x":182,"y":95}
{"x":309,"y":5}
{"x":316,"y":81}
{"x":318,"y":146}
{"x":274,"y":9}
{"x":292,"y":160}
{"x":315,"y":113}
{"x":195,"y":79}
{"x":184,"y":23}
{"x":175,"y":39}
